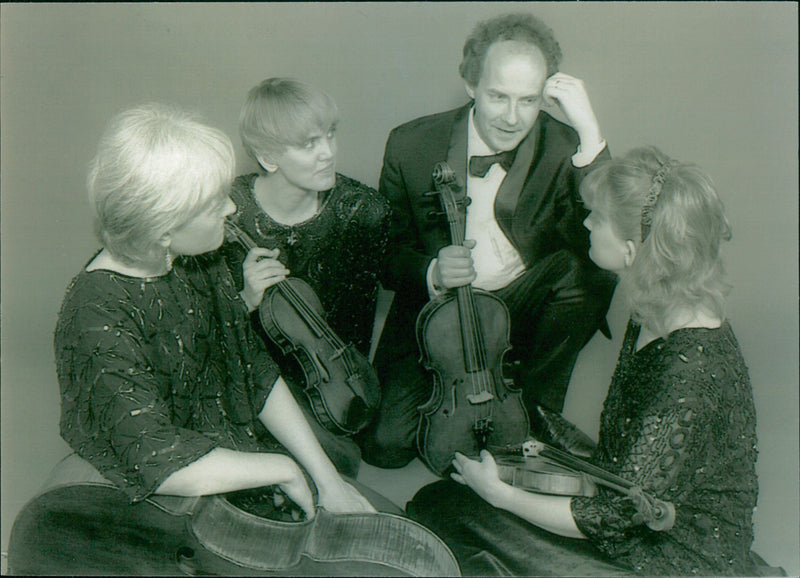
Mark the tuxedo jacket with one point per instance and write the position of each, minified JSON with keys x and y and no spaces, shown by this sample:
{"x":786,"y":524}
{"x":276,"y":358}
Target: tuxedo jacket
{"x":537,"y":205}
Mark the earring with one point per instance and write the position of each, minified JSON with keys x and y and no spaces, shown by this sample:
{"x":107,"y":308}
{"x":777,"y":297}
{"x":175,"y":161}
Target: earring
{"x":168,"y":258}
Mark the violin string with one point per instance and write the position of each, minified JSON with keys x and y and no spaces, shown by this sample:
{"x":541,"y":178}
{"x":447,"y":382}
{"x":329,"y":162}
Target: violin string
{"x":479,"y":355}
{"x":480,"y":344}
{"x":484,"y":384}
{"x":578,"y":464}
{"x":472,"y":338}
{"x":320,"y":325}
{"x":296,"y":300}
{"x":299,"y":304}
{"x":458,"y":233}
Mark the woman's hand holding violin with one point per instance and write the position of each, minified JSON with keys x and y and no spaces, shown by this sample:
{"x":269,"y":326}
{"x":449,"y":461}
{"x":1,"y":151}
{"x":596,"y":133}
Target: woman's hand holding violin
{"x":261,"y":269}
{"x":482,"y":476}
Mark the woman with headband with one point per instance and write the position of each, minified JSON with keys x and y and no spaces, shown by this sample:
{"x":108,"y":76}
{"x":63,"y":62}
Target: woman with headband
{"x":678,"y":422}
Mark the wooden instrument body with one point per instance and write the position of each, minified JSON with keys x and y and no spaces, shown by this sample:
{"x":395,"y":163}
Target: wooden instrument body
{"x":463,"y":336}
{"x":448,"y":420}
{"x":89,"y":527}
{"x":340,"y":383}
{"x":542,"y":476}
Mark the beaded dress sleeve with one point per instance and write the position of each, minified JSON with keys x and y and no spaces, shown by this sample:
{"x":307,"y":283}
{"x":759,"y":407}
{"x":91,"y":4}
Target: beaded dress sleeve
{"x":155,"y":373}
{"x":679,"y":422}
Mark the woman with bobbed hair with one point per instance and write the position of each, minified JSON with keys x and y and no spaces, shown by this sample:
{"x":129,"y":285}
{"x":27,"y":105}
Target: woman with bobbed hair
{"x":678,"y":421}
{"x":165,"y":389}
{"x":309,"y":222}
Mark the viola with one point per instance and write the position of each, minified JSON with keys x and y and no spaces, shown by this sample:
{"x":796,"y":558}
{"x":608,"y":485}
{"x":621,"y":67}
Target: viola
{"x":544,"y":469}
{"x":472,"y":405}
{"x":340,"y":383}
{"x":81,"y":524}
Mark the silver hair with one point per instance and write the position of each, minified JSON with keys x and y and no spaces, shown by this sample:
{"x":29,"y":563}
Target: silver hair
{"x":156,"y":167}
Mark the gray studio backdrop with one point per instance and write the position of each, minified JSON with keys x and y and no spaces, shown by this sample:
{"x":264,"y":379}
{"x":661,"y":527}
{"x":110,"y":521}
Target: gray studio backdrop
{"x":714,"y":83}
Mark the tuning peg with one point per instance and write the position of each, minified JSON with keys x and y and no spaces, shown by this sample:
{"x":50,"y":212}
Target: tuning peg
{"x":430,"y":193}
{"x":435,"y":215}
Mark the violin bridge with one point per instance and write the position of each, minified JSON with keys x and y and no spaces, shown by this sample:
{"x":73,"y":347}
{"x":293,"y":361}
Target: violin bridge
{"x":481,"y":397}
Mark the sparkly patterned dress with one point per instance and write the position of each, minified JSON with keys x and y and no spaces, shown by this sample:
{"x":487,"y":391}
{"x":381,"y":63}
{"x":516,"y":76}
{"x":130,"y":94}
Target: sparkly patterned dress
{"x":679,"y":421}
{"x":339,"y":251}
{"x":156,"y":372}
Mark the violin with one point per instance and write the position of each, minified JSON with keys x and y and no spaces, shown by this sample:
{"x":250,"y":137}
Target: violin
{"x":340,"y":383}
{"x":544,"y":469}
{"x":472,"y":405}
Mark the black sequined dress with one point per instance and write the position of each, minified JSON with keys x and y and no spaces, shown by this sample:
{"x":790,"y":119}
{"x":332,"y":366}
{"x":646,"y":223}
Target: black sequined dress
{"x":155,"y":373}
{"x":339,"y":251}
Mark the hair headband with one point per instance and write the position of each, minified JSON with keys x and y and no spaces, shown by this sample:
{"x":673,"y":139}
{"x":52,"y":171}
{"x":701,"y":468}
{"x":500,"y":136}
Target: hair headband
{"x":652,"y":197}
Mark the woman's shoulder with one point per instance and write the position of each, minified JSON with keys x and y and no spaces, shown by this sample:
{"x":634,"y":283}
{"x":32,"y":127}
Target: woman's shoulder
{"x":87,"y":286}
{"x":95,"y":297}
{"x":352,"y":195}
{"x":242,"y":187}
{"x":708,"y":359}
{"x":693,"y":344}
{"x":349,"y":186}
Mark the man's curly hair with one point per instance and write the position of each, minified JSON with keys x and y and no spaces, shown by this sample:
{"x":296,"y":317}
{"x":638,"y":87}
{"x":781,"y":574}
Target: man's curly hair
{"x":520,"y":27}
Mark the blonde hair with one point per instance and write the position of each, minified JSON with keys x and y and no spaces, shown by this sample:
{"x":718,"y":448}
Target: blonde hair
{"x":156,"y":167}
{"x":678,"y":262}
{"x":281,"y":112}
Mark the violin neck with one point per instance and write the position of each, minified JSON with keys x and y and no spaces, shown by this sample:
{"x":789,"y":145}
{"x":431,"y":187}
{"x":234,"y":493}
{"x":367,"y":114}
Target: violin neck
{"x":471,"y":331}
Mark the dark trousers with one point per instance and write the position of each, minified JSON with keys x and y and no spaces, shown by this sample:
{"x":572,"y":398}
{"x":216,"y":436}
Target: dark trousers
{"x":491,"y":542}
{"x":555,"y":307}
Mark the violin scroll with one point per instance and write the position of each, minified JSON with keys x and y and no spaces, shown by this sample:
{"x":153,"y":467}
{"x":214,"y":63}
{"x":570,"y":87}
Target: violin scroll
{"x":656,"y":514}
{"x":443,"y":175}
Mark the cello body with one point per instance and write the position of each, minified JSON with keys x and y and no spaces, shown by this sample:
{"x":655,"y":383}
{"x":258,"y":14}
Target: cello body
{"x":463,"y":335}
{"x":80,"y":524}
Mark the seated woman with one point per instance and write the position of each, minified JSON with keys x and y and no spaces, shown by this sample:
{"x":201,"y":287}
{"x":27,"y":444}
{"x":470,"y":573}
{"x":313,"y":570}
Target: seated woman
{"x":678,"y":420}
{"x":165,"y":389}
{"x":312,"y":223}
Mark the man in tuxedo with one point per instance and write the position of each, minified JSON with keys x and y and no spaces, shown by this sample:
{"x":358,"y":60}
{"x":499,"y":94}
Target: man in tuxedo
{"x":525,"y":240}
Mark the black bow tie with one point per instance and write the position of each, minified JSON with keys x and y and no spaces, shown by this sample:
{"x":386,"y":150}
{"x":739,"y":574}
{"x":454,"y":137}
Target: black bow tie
{"x":479,"y":166}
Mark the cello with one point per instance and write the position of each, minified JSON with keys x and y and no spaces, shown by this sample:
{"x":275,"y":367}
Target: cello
{"x":81,"y":524}
{"x":340,"y":383}
{"x":472,"y":405}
